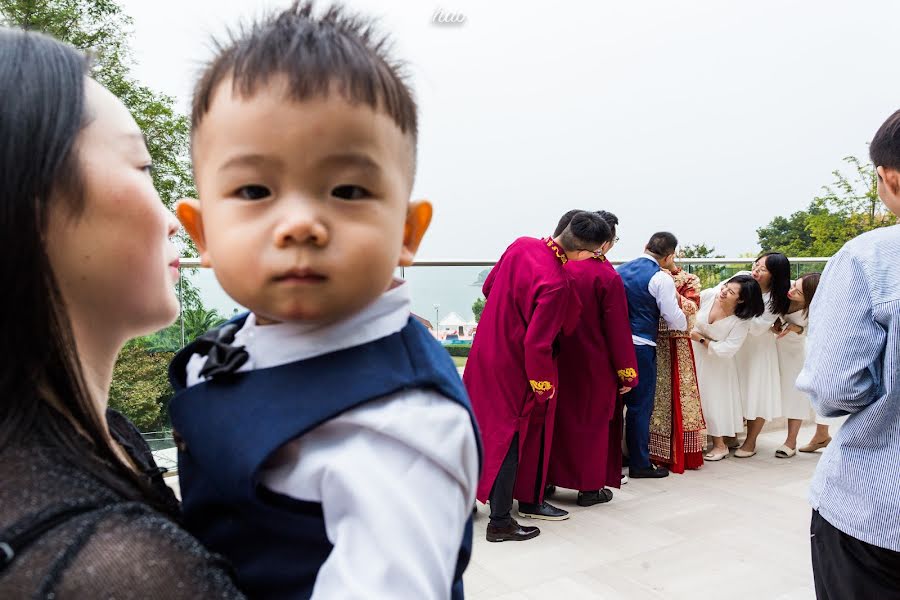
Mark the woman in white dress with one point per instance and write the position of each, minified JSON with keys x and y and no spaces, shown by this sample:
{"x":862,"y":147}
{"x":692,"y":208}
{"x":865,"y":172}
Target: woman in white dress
{"x":757,"y":360}
{"x":791,"y":345}
{"x":723,"y":322}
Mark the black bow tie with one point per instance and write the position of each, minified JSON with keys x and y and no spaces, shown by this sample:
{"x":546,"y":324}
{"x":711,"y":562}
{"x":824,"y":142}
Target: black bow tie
{"x":221,"y":357}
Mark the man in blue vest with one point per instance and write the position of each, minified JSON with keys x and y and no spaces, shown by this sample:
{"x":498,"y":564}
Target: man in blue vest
{"x":651,"y":295}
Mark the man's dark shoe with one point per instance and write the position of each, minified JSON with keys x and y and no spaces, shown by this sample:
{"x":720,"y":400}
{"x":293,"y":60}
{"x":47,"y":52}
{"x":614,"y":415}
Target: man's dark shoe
{"x":549,"y":491}
{"x":545,"y":511}
{"x":650,"y":472}
{"x":511,"y":533}
{"x":594,"y":497}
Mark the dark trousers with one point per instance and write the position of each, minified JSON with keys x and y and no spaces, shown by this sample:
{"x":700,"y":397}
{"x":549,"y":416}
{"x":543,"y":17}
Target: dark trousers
{"x":640,"y":406}
{"x":502,"y":493}
{"x":845,"y":568}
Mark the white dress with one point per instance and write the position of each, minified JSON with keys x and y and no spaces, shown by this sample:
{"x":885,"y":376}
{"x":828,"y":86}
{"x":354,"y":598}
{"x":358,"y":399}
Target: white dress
{"x":791,"y":354}
{"x":757,"y":363}
{"x":717,"y":376}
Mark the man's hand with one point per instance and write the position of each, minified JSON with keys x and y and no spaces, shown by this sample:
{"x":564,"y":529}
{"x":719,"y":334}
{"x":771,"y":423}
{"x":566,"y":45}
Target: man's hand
{"x":624,"y":390}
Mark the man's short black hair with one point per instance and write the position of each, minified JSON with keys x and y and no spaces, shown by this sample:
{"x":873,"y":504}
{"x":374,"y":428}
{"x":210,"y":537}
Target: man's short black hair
{"x":662,"y":243}
{"x":611,"y":220}
{"x":316,"y":54}
{"x":564,"y":221}
{"x":885,"y":147}
{"x":585,"y":231}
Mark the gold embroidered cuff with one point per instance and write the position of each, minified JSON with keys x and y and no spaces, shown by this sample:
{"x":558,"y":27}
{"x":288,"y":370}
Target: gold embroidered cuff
{"x":627,"y":375}
{"x":539,"y":387}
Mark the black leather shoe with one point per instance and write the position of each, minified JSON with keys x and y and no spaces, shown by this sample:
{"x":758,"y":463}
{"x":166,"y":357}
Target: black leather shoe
{"x":650,"y":472}
{"x":549,"y":491}
{"x":594,"y":497}
{"x":545,"y":511}
{"x":511,"y":533}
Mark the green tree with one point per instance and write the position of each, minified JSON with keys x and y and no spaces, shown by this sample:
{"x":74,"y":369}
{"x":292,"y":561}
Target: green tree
{"x":478,"y":308}
{"x":710,"y":275}
{"x":847,"y":208}
{"x":140,"y":387}
{"x":197,"y":321}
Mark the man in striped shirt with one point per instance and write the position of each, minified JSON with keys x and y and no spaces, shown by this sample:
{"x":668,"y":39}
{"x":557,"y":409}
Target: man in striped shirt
{"x":853,"y":368}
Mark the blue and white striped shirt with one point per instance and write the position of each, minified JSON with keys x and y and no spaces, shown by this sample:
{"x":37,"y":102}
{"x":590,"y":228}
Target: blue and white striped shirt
{"x":852,"y":369}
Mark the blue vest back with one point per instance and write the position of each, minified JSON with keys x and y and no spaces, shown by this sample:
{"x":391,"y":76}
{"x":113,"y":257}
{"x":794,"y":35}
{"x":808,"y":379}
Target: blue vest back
{"x":228,"y":426}
{"x":643,"y":312}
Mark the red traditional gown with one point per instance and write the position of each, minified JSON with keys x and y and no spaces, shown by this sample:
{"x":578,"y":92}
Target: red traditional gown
{"x":677,"y":428}
{"x":511,"y":372}
{"x":594,"y":362}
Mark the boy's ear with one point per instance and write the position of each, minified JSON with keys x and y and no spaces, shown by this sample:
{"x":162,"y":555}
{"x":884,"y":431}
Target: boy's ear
{"x":891,"y":179}
{"x":188,"y":212}
{"x":418,"y":217}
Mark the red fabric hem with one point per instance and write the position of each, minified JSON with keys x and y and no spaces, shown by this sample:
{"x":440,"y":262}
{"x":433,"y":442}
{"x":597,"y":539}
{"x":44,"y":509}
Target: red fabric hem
{"x":677,"y":419}
{"x":693,"y":460}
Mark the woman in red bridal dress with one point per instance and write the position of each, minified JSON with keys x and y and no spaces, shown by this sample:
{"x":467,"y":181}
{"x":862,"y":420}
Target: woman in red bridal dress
{"x":677,"y":428}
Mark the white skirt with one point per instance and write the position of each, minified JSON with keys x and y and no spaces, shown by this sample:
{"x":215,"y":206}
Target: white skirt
{"x":720,"y":392}
{"x":791,"y":354}
{"x":760,"y":380}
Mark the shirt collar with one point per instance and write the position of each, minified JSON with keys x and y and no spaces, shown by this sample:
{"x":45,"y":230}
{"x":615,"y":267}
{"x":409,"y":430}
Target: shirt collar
{"x":556,"y":250}
{"x":282,"y":343}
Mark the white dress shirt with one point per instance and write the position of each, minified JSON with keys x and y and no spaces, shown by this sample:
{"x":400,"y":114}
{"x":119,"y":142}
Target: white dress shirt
{"x":662,"y":287}
{"x":396,"y":477}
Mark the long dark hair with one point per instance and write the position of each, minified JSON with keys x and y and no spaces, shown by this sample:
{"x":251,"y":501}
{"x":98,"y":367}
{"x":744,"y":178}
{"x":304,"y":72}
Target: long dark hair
{"x":779,"y":268}
{"x":42,"y":387}
{"x":809,"y":284}
{"x":750,"y":301}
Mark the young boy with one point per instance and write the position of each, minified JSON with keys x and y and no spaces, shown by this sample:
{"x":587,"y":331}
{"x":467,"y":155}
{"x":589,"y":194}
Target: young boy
{"x":326,"y":444}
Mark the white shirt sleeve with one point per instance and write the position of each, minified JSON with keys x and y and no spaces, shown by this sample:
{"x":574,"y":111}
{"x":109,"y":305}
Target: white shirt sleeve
{"x":730,"y":345}
{"x":662,"y":287}
{"x":396,"y":479}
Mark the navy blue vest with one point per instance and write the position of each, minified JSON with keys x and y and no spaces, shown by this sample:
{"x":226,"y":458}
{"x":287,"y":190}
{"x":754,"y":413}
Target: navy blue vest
{"x":228,"y":426}
{"x":643,"y":312}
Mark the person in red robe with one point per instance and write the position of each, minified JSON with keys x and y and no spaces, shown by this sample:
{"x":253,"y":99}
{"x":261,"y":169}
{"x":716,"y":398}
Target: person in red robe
{"x":511,"y":372}
{"x":597,"y":364}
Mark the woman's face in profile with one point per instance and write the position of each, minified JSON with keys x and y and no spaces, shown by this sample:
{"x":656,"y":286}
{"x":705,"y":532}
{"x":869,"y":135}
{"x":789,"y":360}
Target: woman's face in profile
{"x":113,"y":260}
{"x":761,"y":273}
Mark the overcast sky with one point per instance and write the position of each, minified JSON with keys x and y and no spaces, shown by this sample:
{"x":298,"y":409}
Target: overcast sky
{"x":706,"y":118}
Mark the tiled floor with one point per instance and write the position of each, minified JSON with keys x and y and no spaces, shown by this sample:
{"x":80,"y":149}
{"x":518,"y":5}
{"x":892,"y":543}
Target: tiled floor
{"x":737,"y":529}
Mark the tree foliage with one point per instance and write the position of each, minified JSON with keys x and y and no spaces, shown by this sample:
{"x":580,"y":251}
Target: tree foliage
{"x":140,"y":387}
{"x":478,"y":308}
{"x":847,"y":208}
{"x":196,"y":321}
{"x":710,"y":275}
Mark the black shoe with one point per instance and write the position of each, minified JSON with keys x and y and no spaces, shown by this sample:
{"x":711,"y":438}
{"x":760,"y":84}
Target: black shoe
{"x":549,"y":490}
{"x":511,"y":533}
{"x":650,"y":472}
{"x":545,"y":511}
{"x":594,"y":497}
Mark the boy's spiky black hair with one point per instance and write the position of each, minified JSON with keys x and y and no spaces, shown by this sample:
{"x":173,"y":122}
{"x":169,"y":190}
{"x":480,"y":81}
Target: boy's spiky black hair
{"x":315,"y":53}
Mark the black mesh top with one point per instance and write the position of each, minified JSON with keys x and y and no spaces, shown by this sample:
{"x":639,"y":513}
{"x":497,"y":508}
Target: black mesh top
{"x":99,"y":546}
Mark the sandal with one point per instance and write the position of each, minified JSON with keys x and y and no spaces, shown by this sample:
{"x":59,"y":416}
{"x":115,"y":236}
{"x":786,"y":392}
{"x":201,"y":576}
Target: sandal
{"x":785,"y":452}
{"x":812,"y":447}
{"x":743,"y":453}
{"x":714,"y":456}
